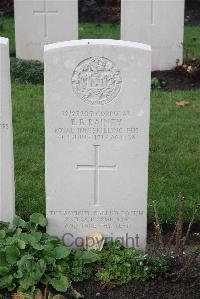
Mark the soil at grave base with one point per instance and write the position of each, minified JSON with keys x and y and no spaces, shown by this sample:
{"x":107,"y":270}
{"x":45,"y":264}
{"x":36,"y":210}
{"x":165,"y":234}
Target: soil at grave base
{"x":187,"y":288}
{"x":140,"y":290}
{"x":178,"y":79}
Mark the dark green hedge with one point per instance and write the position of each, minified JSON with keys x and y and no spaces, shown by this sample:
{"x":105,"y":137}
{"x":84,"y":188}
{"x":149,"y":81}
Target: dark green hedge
{"x":27,"y":71}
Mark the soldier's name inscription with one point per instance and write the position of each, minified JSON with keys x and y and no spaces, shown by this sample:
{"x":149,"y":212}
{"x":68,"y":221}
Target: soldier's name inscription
{"x":97,"y":125}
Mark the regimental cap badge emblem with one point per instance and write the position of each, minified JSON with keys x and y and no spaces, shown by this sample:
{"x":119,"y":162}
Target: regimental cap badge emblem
{"x":96,"y":81}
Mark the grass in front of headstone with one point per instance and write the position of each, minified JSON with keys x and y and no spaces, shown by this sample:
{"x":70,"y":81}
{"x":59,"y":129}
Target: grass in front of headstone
{"x":174,"y":151}
{"x":28,"y":122}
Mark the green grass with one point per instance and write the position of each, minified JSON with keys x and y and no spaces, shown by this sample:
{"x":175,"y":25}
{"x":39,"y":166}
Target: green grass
{"x":7,"y":29}
{"x":28,"y":123}
{"x":106,"y":31}
{"x":191,"y":38}
{"x":174,"y":150}
{"x":192,"y":42}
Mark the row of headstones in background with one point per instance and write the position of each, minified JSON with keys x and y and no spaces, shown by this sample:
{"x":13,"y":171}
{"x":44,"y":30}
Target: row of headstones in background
{"x":97,"y":102}
{"x":158,"y":23}
{"x":7,"y":190}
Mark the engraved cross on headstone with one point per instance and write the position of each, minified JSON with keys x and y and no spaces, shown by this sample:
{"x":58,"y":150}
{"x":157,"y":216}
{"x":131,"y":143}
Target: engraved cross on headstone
{"x":45,"y":13}
{"x":96,"y":168}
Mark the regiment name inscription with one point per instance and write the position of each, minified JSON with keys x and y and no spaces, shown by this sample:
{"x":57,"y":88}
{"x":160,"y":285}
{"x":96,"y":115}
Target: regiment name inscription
{"x":97,"y":125}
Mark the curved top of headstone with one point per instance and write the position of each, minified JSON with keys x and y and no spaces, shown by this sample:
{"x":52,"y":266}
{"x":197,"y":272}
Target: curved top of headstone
{"x":105,"y":42}
{"x":4,"y":40}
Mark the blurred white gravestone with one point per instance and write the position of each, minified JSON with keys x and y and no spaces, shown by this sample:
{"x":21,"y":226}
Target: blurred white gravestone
{"x":97,"y":98}
{"x":40,"y":22}
{"x":7,"y":190}
{"x":159,"y":23}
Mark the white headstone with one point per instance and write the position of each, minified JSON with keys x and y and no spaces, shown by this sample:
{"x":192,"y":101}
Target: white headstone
{"x":40,"y":22}
{"x":159,"y":23}
{"x":97,"y":98}
{"x":7,"y":193}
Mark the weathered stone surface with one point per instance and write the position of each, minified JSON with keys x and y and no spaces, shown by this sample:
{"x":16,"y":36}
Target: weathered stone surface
{"x":40,"y":22}
{"x":7,"y":190}
{"x":97,"y":98}
{"x":159,"y":23}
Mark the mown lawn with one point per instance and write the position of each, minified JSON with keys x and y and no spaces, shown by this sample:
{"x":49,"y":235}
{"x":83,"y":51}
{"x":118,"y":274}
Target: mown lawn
{"x":174,"y":150}
{"x":28,"y":123}
{"x":191,"y":36}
